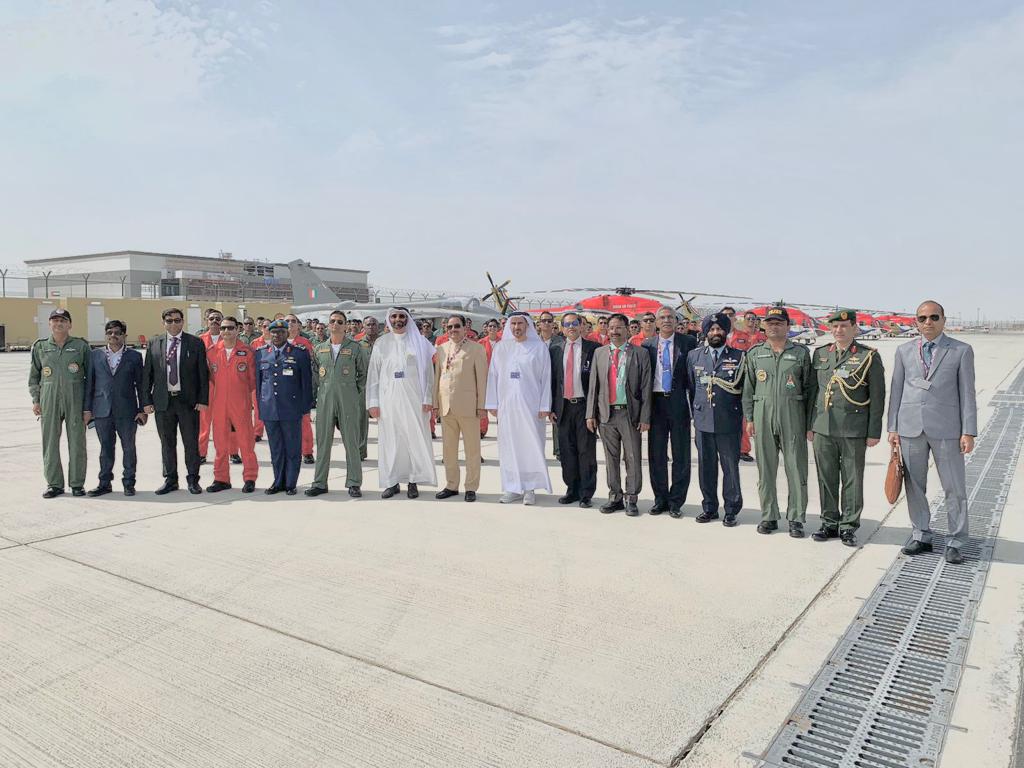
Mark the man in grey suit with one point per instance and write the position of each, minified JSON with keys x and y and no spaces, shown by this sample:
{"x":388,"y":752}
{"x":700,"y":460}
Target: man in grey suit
{"x":620,"y":401}
{"x":932,"y":409}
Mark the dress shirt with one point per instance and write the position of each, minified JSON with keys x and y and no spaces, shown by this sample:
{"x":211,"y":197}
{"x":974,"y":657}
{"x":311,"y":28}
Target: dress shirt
{"x":659,"y":369}
{"x":577,"y":362}
{"x":114,"y":358}
{"x":177,"y":355}
{"x":620,"y":380}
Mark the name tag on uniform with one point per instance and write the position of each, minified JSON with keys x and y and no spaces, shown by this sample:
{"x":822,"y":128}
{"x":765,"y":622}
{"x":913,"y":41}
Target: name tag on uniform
{"x":288,"y":372}
{"x":514,"y":375}
{"x":842,"y":373}
{"x":788,"y":356}
{"x":346,"y":351}
{"x":399,"y":374}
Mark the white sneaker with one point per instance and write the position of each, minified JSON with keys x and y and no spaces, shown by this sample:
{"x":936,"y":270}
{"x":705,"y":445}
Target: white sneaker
{"x":529,"y":498}
{"x":510,"y":498}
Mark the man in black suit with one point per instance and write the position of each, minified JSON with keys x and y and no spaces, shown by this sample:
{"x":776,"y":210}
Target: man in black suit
{"x":670,"y":414}
{"x":176,"y":386}
{"x":570,"y":379}
{"x":113,"y":398}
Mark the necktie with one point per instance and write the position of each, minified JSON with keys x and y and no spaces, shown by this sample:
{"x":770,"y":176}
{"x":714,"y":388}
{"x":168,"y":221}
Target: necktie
{"x":570,"y":370}
{"x":613,"y":378}
{"x":714,"y":354}
{"x":172,"y":362}
{"x":928,"y":347}
{"x":666,"y":367}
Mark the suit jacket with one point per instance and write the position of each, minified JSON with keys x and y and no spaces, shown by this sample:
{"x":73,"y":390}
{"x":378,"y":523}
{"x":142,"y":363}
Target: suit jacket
{"x":638,"y":384}
{"x":461,"y":389}
{"x":682,"y":345}
{"x":114,"y":394}
{"x":558,"y":373}
{"x":193,"y":373}
{"x":723,"y":414}
{"x":940,"y":404}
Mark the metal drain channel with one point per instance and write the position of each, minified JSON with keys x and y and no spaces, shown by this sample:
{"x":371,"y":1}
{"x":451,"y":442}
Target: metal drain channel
{"x":884,"y":697}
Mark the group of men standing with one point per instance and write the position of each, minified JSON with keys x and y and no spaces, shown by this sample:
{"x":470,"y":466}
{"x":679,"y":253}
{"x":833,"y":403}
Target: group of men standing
{"x":732,"y":387}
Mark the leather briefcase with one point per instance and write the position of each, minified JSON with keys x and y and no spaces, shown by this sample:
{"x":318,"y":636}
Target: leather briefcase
{"x":894,"y":476}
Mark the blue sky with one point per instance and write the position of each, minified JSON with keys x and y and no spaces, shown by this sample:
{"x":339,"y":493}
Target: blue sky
{"x":860,"y":153}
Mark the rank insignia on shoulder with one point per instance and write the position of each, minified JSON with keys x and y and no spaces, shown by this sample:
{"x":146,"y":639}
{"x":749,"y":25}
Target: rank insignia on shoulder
{"x":762,"y":375}
{"x":47,"y":371}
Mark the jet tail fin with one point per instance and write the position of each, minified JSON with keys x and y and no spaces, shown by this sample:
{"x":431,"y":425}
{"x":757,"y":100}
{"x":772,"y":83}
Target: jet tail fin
{"x":307,"y":287}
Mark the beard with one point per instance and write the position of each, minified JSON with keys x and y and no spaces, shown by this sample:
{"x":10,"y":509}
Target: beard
{"x":716,"y":341}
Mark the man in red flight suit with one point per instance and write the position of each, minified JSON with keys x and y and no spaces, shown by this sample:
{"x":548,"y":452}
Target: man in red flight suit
{"x":257,"y":425}
{"x":750,"y":336}
{"x":298,"y":340}
{"x":232,"y":383}
{"x":214,"y":317}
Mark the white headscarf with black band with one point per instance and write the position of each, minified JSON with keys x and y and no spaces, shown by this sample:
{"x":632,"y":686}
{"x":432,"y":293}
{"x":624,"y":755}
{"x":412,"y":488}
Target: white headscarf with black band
{"x":419,"y":346}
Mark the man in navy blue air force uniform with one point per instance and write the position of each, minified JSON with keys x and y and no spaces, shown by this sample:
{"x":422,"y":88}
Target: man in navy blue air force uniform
{"x":716,"y":398}
{"x":284,"y":387}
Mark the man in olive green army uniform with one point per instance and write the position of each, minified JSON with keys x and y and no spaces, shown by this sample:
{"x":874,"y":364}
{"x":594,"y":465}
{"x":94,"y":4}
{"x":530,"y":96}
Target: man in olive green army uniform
{"x":779,"y":388}
{"x":339,"y":378}
{"x":369,"y":334}
{"x":847,"y":420}
{"x":56,"y":380}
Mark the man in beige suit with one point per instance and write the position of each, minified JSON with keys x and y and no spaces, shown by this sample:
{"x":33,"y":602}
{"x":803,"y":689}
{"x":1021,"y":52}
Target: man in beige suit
{"x":460,"y":387}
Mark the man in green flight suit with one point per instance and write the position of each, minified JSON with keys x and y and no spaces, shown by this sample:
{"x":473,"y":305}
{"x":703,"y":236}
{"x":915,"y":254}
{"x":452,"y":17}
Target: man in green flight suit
{"x":56,"y":381}
{"x":339,"y":378}
{"x":369,"y":334}
{"x":847,"y":420}
{"x":779,"y":388}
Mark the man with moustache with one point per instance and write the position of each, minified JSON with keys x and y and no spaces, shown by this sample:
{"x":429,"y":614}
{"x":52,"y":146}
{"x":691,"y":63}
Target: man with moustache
{"x":715,"y":384}
{"x":298,"y":339}
{"x":570,"y":378}
{"x":743,"y":340}
{"x":210,"y":337}
{"x":233,"y":382}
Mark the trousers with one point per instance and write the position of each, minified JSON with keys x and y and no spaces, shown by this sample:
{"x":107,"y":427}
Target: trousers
{"x":108,"y":431}
{"x":949,"y":463}
{"x":621,"y":442}
{"x":469,"y":427}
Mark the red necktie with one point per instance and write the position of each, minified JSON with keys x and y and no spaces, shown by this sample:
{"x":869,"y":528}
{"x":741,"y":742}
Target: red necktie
{"x":570,"y":365}
{"x":613,"y":378}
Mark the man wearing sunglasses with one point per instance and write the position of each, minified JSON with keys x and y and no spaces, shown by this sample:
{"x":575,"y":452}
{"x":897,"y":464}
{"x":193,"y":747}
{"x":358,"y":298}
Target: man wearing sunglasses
{"x":232,"y":384}
{"x":648,"y":330}
{"x":298,"y":339}
{"x":113,"y":399}
{"x":210,"y":337}
{"x":933,"y":412}
{"x":460,"y":387}
{"x":176,"y":387}
{"x":249,"y":332}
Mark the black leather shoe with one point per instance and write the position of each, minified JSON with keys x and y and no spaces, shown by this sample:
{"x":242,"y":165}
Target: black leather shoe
{"x":236,"y":459}
{"x":675,"y":511}
{"x":99,"y":490}
{"x":129,"y":490}
{"x":767,"y":526}
{"x":746,"y":457}
{"x":825,"y":533}
{"x":849,"y":538}
{"x":259,"y":438}
{"x":412,"y":491}
{"x":78,"y":491}
{"x":354,"y":492}
{"x":272,"y":490}
{"x":631,"y":509}
{"x":315,"y":491}
{"x":953,"y":556}
{"x":167,"y":487}
{"x":470,"y":496}
{"x":193,"y":487}
{"x":53,"y":492}
{"x":249,"y":486}
{"x":916,"y":548}
{"x":202,"y":459}
{"x":706,"y":517}
{"x":387,"y":493}
{"x":568,"y":499}
{"x":796,"y":530}
{"x":216,"y":486}
{"x":612,"y":506}
{"x":729,"y":521}
{"x":586,"y":503}
{"x":445,"y":493}
{"x":308,"y":459}
{"x":659,"y":507}
{"x":291,"y":492}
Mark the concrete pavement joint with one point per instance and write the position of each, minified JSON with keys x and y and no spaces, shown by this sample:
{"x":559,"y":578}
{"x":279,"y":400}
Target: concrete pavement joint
{"x":360,"y":659}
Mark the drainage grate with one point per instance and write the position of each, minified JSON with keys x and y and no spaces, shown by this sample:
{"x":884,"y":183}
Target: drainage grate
{"x":884,"y":697}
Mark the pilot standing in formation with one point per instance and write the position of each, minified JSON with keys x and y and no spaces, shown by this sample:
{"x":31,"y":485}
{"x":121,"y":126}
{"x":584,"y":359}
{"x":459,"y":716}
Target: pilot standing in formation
{"x":778,"y":397}
{"x":847,"y":420}
{"x":232,"y":383}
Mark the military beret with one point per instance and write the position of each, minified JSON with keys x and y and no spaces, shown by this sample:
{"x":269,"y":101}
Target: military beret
{"x":842,"y":315}
{"x":61,"y":313}
{"x":278,"y":325}
{"x":720,"y":319}
{"x":777,"y":313}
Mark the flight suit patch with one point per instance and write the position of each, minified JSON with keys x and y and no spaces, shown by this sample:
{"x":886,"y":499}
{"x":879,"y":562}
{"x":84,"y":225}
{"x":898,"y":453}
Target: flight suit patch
{"x":73,"y":367}
{"x":345,"y":371}
{"x":213,"y":367}
{"x":790,"y":384}
{"x":241,"y":367}
{"x":47,"y":371}
{"x":762,"y":375}
{"x":323,"y":371}
{"x":346,"y":352}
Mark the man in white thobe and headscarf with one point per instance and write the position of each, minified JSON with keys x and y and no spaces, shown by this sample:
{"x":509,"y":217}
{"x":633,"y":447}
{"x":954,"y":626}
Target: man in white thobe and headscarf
{"x":400,"y":395}
{"x":519,"y":394}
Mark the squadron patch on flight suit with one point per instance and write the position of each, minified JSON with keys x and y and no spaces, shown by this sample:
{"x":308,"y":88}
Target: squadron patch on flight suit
{"x":241,"y":367}
{"x":73,"y":367}
{"x":323,"y":371}
{"x":762,"y":375}
{"x":47,"y":371}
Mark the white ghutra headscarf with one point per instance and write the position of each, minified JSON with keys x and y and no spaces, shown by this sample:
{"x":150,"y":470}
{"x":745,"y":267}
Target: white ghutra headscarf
{"x":415,"y":343}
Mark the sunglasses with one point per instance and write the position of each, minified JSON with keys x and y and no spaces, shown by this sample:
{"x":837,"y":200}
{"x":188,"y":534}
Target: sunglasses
{"x":453,"y":327}
{"x":337,"y":322}
{"x":293,"y":322}
{"x":247,"y":322}
{"x":926,"y":318}
{"x":173,"y":320}
{"x":570,"y":323}
{"x":648,"y":320}
{"x":546,"y":320}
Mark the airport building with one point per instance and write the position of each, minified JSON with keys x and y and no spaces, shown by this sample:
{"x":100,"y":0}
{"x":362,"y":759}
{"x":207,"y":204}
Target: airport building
{"x":141,"y":274}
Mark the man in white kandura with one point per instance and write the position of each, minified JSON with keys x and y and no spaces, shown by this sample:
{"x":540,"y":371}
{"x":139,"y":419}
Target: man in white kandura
{"x":519,"y":394}
{"x":400,"y":395}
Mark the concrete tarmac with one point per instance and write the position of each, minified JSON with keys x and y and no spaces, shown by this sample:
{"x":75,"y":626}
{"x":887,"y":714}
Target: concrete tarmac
{"x":233,"y":630}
